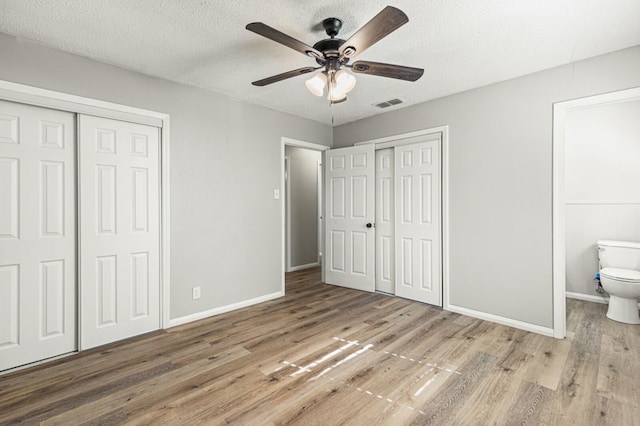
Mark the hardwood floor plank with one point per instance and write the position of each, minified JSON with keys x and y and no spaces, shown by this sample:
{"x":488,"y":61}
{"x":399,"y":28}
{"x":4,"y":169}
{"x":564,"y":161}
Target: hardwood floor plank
{"x":458,"y":390}
{"x":526,"y":406}
{"x":614,"y":413}
{"x":617,"y":374}
{"x":495,"y":391}
{"x":548,"y":363}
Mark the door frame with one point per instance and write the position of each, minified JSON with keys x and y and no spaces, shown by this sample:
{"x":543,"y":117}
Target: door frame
{"x":398,"y":140}
{"x":284,"y":141}
{"x":286,"y":194}
{"x":560,"y":110}
{"x":81,"y":105}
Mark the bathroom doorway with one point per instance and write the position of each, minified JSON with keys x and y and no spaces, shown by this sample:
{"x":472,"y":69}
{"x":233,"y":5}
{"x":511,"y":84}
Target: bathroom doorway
{"x":596,"y":152}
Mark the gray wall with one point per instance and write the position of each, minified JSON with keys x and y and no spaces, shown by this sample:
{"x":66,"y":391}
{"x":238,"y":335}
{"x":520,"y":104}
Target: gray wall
{"x":225,"y":164}
{"x":303,"y":181}
{"x":602,"y":195}
{"x":500,"y":178}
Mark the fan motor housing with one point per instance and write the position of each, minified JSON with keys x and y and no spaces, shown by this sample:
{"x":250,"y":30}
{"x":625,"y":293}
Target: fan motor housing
{"x":329,"y":48}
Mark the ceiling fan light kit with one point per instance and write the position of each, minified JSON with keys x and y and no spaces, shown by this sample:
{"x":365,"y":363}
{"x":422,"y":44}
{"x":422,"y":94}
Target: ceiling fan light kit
{"x":339,"y":84}
{"x":332,"y":54}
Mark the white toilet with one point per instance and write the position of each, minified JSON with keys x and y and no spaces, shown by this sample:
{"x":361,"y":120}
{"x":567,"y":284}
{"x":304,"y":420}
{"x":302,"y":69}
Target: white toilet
{"x":620,"y":277}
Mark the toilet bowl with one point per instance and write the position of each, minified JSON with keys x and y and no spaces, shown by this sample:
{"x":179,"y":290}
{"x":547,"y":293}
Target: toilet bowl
{"x":623,"y":286}
{"x":620,"y":277}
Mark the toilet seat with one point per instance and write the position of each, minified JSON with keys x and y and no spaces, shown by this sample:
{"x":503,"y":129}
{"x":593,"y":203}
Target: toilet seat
{"x":623,"y":275}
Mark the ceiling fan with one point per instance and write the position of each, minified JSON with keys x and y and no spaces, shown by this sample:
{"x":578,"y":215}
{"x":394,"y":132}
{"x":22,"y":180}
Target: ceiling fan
{"x":333,"y":54}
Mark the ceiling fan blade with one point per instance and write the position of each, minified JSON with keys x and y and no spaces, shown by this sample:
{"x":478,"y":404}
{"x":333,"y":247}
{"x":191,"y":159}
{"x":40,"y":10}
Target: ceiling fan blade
{"x":387,"y":70}
{"x":383,"y":24}
{"x":284,"y":76}
{"x":280,"y":37}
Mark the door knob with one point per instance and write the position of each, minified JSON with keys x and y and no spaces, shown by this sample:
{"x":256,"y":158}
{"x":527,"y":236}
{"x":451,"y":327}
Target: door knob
{"x":369,"y":225}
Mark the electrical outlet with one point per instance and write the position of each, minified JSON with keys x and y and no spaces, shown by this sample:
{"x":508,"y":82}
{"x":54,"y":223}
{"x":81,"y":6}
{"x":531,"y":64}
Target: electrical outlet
{"x":195,"y":293}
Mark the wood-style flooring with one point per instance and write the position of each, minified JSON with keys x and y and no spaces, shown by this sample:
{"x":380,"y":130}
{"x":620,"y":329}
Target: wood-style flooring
{"x":325,"y":355}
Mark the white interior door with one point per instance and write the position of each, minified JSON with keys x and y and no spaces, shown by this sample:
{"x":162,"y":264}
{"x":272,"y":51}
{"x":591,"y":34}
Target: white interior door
{"x":119,"y":230}
{"x":37,"y":234}
{"x":385,"y":206}
{"x":349,"y":208}
{"x":418,"y":222}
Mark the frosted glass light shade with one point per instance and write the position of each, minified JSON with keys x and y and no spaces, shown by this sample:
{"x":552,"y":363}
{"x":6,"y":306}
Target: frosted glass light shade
{"x":336,"y":95}
{"x":316,"y":84}
{"x":344,"y":81}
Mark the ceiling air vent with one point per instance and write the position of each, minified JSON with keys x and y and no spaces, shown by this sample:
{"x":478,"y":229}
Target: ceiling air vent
{"x":387,"y":104}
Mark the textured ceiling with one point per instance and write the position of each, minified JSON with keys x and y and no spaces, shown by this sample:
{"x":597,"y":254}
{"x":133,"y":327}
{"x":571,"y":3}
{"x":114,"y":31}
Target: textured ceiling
{"x":461,"y":44}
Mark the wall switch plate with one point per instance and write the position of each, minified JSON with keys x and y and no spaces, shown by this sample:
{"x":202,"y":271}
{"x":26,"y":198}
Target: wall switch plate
{"x":276,"y":194}
{"x":195,"y":293}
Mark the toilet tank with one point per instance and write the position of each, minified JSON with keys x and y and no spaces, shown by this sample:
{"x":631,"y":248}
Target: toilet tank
{"x":619,"y":254}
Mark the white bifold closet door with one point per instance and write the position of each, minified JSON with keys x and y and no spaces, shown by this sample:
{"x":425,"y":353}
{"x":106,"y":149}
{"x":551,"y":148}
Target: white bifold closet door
{"x":119,"y":230}
{"x":37,"y":234}
{"x":385,"y":209}
{"x":418,"y":222}
{"x":349,"y":207}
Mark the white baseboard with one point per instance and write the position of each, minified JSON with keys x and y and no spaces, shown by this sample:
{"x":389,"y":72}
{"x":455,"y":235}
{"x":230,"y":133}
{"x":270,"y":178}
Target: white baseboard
{"x":546,"y":331}
{"x":587,"y":297}
{"x":301,"y":267}
{"x":222,"y":309}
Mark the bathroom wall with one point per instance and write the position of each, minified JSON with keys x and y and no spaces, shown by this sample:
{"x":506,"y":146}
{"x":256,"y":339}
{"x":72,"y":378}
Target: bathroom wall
{"x":303,"y":191}
{"x":602,"y":182}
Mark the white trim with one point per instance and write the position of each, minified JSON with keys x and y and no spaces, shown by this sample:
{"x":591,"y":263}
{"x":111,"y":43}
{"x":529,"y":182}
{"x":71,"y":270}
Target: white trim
{"x":319,"y":186}
{"x":165,"y":230}
{"x":587,"y":297}
{"x":445,"y":216}
{"x":300,"y":144}
{"x":287,"y":211}
{"x":625,"y":95}
{"x":603,"y":202}
{"x":590,"y":298}
{"x":301,"y":267}
{"x":381,"y":143}
{"x":78,"y":104}
{"x":401,"y":139}
{"x":557,"y":226}
{"x":223,"y":309}
{"x":546,"y":331}
{"x":560,"y":110}
{"x":81,"y":105}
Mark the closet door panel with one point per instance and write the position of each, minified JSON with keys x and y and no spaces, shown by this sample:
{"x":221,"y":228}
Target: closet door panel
{"x":350,"y":206}
{"x":385,"y":208}
{"x":37,"y":234}
{"x":418,"y":224}
{"x":119,"y":223}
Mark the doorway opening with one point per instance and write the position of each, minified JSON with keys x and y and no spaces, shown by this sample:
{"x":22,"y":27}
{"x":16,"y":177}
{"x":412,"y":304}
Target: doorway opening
{"x":595,"y":195}
{"x":301,"y":172}
{"x":302,"y":189}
